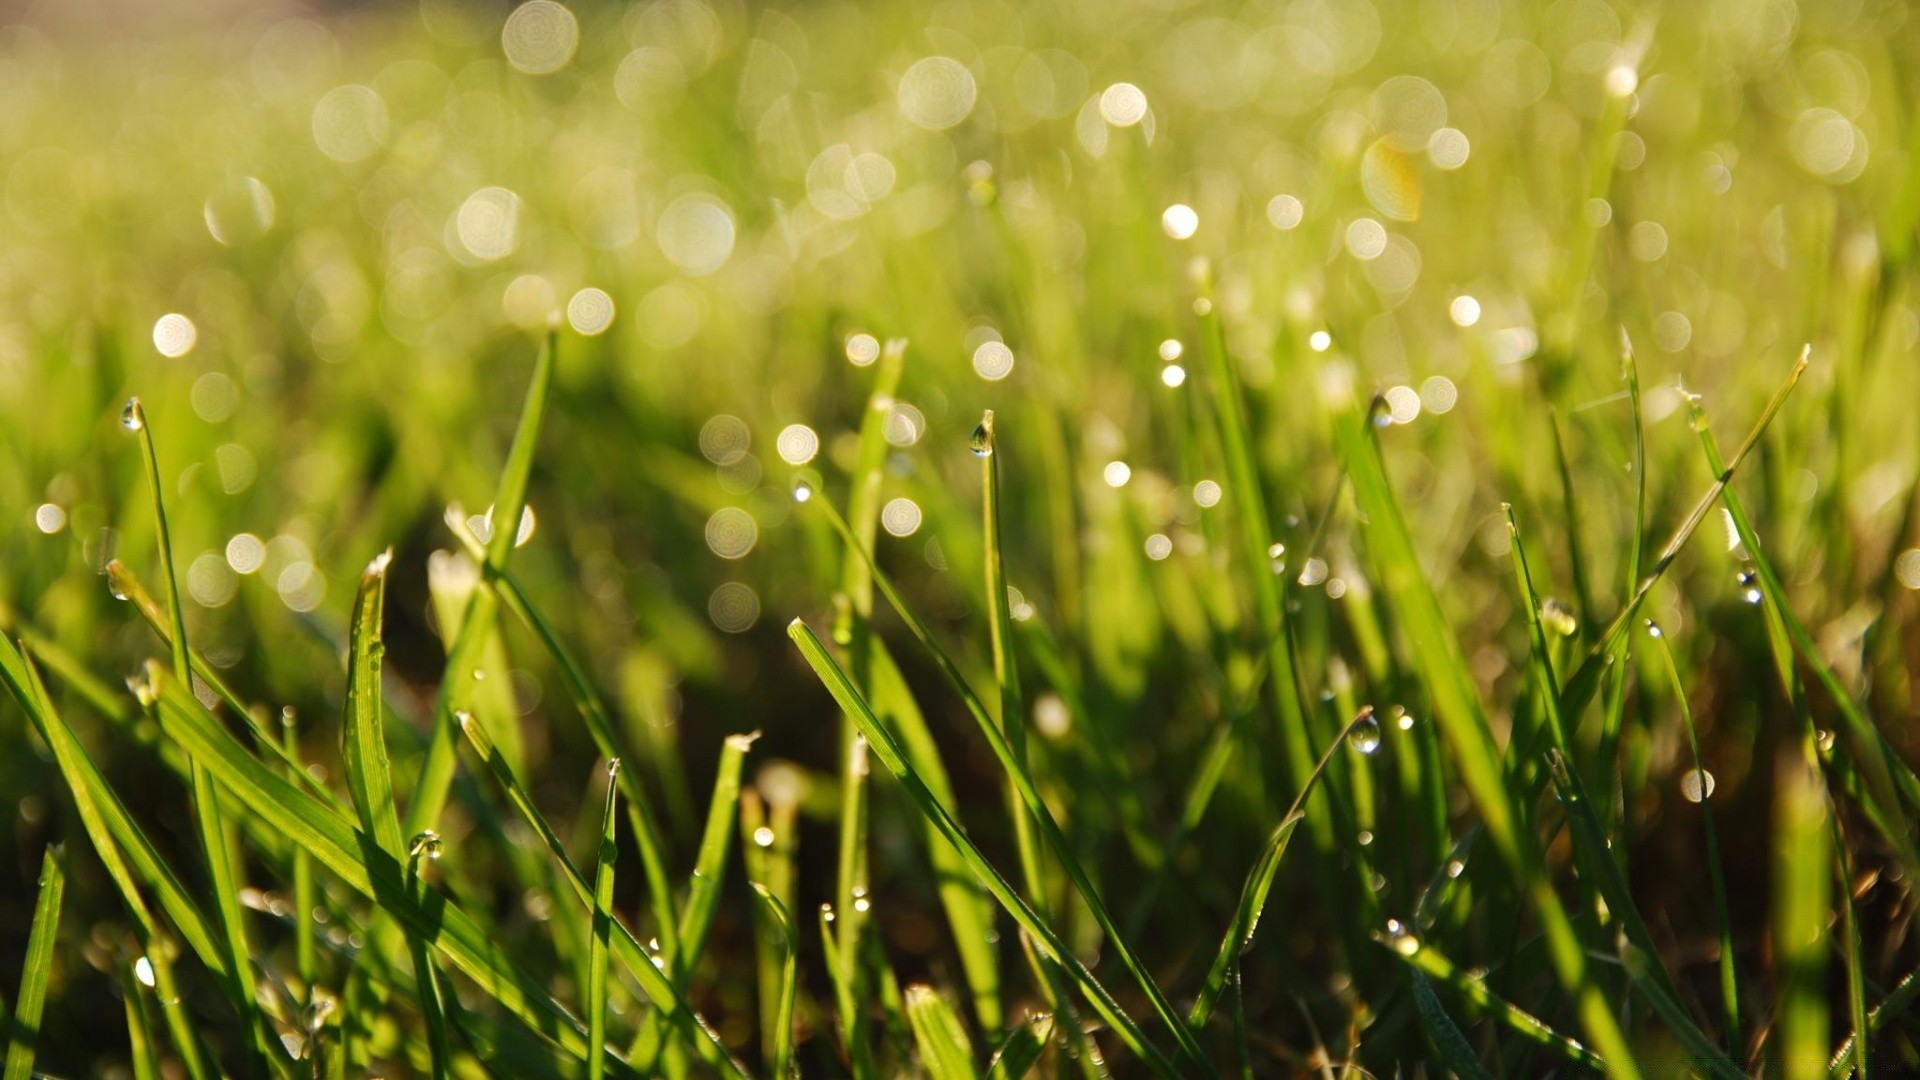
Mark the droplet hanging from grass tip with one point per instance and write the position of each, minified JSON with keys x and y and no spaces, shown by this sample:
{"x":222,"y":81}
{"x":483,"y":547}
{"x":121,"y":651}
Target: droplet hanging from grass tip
{"x":1364,"y":733}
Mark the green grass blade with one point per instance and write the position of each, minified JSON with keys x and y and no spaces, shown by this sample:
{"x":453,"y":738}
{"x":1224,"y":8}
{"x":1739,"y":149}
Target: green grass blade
{"x":141,"y":1050}
{"x":1801,"y":902}
{"x":1484,"y":1002}
{"x":1259,"y":882}
{"x":641,"y":817}
{"x":305,"y":951}
{"x":1462,"y":719}
{"x":703,"y":892}
{"x":352,"y":857}
{"x":364,"y":739}
{"x":1850,"y":951}
{"x":770,"y":837}
{"x":429,"y":792}
{"x":894,"y":759}
{"x":30,"y":999}
{"x":1021,"y":1051}
{"x":1729,"y":978}
{"x":652,"y":980}
{"x":433,"y":1009}
{"x":602,"y":931}
{"x":779,"y":1055}
{"x":1447,"y":1038}
{"x":1023,"y":784}
{"x":216,"y":840}
{"x":942,"y":1039}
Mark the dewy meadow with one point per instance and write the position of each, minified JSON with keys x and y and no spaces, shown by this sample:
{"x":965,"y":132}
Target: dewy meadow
{"x":1139,"y":538}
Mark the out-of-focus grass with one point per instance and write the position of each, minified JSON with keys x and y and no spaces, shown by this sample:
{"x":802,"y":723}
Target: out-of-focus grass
{"x":1275,"y":307}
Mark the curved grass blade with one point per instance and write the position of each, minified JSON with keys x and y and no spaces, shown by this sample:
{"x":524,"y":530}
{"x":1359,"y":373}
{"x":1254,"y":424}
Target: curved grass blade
{"x":217,"y":839}
{"x":352,"y":857}
{"x":429,"y":792}
{"x":1259,"y":882}
{"x":602,"y":931}
{"x":1484,"y":1002}
{"x":894,"y":759}
{"x":703,"y":892}
{"x":942,"y":1039}
{"x":1802,"y":880}
{"x":1021,"y":1052}
{"x":1462,"y":719}
{"x":30,"y":1002}
{"x":653,"y":981}
{"x":363,"y":736}
{"x":1023,"y":783}
{"x":780,"y":1054}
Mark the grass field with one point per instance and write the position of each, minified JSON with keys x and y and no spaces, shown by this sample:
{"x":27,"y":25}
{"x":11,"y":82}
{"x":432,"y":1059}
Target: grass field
{"x":1059,"y":539}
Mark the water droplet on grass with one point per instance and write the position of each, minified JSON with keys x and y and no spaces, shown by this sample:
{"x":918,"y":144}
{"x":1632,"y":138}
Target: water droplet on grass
{"x":1365,"y":732}
{"x":1696,"y":785}
{"x":1653,"y":629}
{"x":802,"y":491}
{"x":981,"y":441}
{"x":1749,"y":586}
{"x":133,"y":417}
{"x":427,"y":844}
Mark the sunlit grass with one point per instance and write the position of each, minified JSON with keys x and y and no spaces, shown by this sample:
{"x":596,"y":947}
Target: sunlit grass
{"x":691,"y":538}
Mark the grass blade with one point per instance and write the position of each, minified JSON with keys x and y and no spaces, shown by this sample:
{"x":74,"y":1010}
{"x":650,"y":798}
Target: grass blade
{"x":1462,"y":719}
{"x":602,"y":932}
{"x":30,"y":1000}
{"x":941,"y":1037}
{"x":363,"y":735}
{"x":1023,"y":784}
{"x":216,"y":837}
{"x":429,"y":792}
{"x":653,"y":981}
{"x":1802,"y":881}
{"x":1484,"y":1002}
{"x":1889,"y":1010}
{"x":894,"y":759}
{"x":1021,"y":1052}
{"x":433,"y":1009}
{"x":1447,"y":1038}
{"x":703,"y":894}
{"x":1259,"y":882}
{"x":780,"y":1053}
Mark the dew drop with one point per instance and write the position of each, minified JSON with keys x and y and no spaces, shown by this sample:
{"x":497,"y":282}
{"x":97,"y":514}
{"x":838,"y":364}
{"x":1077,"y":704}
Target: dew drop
{"x":1824,"y":738}
{"x":113,"y":588}
{"x":802,"y":490}
{"x":133,"y":417}
{"x":427,"y":843}
{"x":1749,"y":586}
{"x":981,"y":441}
{"x":1696,"y":785}
{"x":1365,"y":732}
{"x":763,"y":836}
{"x":1401,"y":938}
{"x":1653,"y":629}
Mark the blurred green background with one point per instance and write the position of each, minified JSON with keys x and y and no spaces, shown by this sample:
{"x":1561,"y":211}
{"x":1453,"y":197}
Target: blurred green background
{"x":320,"y":244}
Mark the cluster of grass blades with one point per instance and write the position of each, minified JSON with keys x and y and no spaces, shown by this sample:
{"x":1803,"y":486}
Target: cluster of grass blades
{"x":422,"y":981}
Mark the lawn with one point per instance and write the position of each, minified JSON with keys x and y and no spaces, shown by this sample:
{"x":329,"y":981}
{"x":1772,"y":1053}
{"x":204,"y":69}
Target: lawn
{"x":1066,"y":539}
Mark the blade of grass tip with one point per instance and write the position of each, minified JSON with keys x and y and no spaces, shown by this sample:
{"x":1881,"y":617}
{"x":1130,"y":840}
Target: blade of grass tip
{"x":944,"y":1050}
{"x":703,"y":892}
{"x":216,"y":841}
{"x":654,"y":981}
{"x":1802,"y":878}
{"x":429,"y":792}
{"x":1023,"y":781}
{"x":1485,"y":1003}
{"x":1259,"y":882}
{"x":779,"y":1055}
{"x":841,"y":688}
{"x":1570,"y":508}
{"x":1887,"y":776}
{"x":1602,"y":878}
{"x":1729,"y":978}
{"x":1580,"y":686}
{"x":1890,"y":1009}
{"x":30,"y":1005}
{"x":1021,"y":1051}
{"x":364,"y":750}
{"x":768,"y":851}
{"x":602,"y":931}
{"x":642,"y":819}
{"x":111,"y":831}
{"x":1462,"y":719}
{"x":1616,"y":688}
{"x":426,"y":847}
